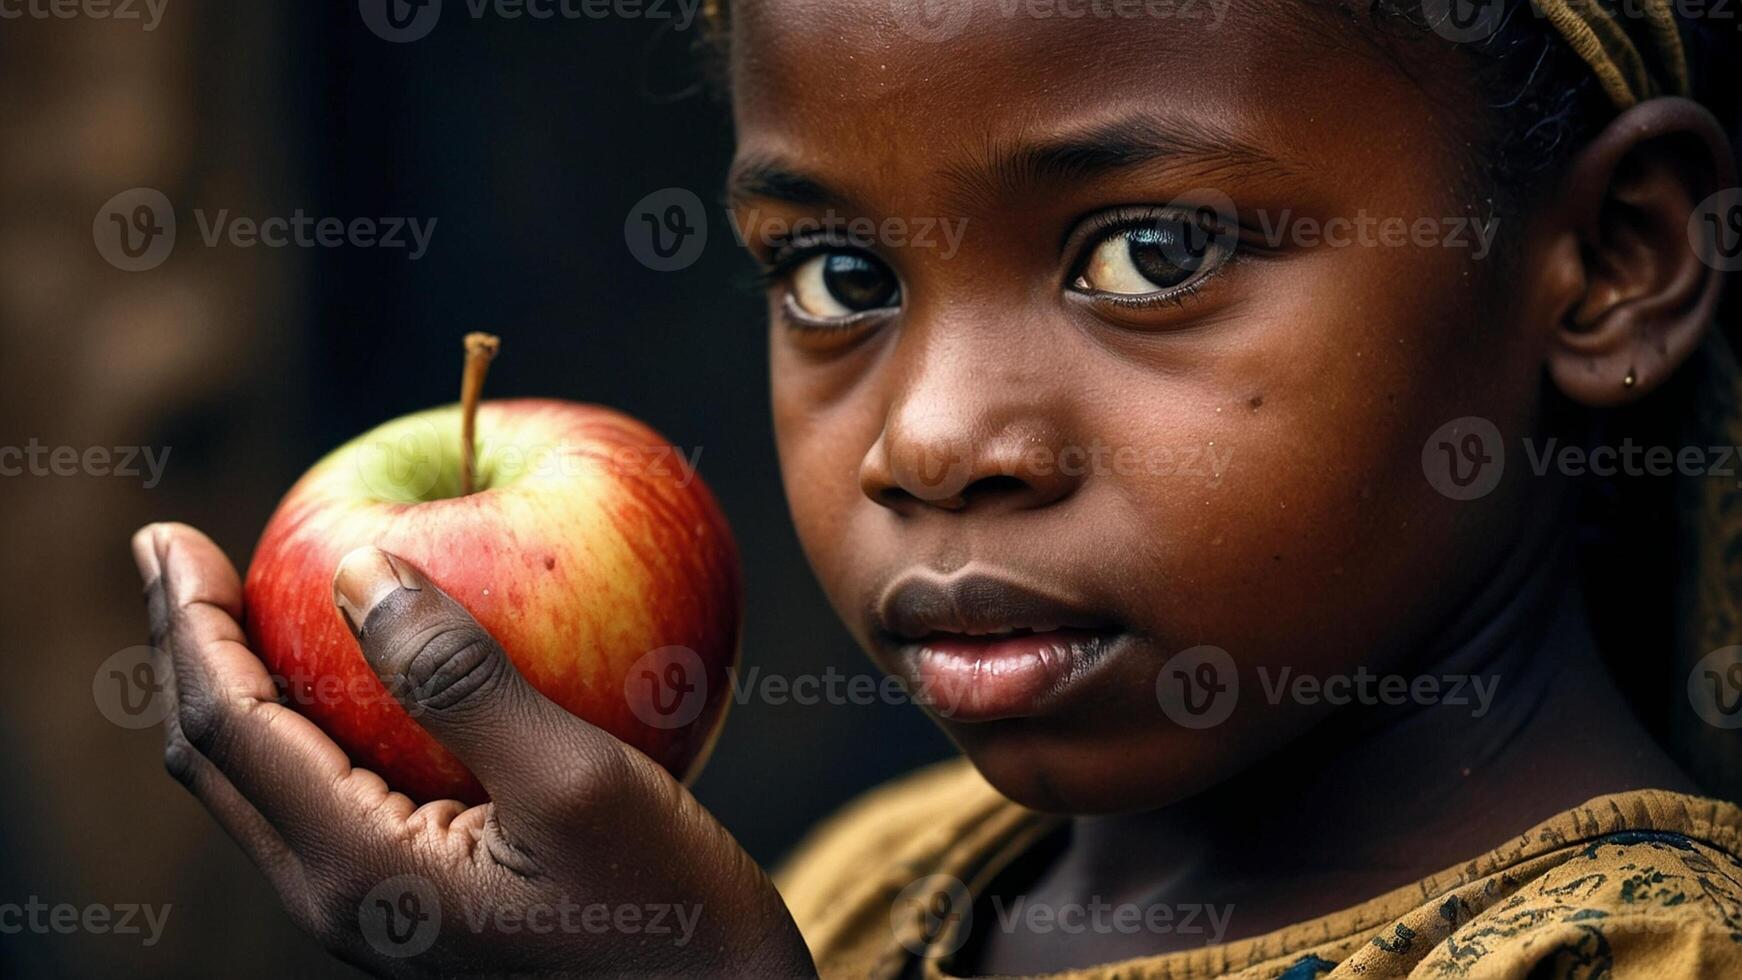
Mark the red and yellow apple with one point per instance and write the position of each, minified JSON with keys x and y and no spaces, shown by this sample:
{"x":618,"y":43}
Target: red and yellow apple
{"x":588,"y":548}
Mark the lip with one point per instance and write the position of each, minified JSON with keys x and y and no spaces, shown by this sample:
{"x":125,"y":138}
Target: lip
{"x":981,"y":647}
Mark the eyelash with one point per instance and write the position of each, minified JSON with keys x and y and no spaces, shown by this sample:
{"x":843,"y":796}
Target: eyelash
{"x":789,"y":256}
{"x":1102,"y":225}
{"x":1178,"y":296}
{"x":778,"y":269}
{"x":1097,"y":228}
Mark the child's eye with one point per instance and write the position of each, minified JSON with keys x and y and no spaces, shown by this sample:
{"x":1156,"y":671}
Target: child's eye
{"x":1152,"y":257}
{"x":838,"y":285}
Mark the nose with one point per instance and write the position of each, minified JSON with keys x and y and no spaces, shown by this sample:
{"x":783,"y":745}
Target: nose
{"x":935,"y":459}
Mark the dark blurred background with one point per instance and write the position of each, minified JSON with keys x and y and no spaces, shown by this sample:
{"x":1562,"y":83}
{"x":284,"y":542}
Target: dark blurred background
{"x":528,"y":141}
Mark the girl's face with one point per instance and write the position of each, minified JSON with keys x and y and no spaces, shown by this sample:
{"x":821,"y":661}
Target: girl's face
{"x":1101,"y":330}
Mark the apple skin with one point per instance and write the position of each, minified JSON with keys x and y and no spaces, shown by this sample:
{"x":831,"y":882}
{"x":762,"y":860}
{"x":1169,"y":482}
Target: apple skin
{"x":588,"y":546}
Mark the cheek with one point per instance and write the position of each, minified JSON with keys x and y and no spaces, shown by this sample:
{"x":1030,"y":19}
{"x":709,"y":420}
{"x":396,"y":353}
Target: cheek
{"x":1310,"y":532}
{"x":822,"y":442}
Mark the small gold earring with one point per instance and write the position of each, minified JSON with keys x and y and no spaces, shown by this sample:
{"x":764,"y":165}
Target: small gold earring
{"x":1631,"y":379}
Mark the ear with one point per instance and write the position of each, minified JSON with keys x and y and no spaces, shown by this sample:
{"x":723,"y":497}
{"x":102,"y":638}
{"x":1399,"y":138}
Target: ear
{"x":1638,"y":296}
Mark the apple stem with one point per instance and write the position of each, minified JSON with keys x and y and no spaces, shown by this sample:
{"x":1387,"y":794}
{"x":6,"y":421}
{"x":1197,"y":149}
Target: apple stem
{"x":481,"y":349}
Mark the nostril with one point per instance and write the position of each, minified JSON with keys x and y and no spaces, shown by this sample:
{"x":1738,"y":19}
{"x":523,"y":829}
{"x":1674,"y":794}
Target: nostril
{"x":985,"y":489}
{"x":892,"y":497}
{"x":896,"y":498}
{"x":917,"y":467}
{"x":996,"y":486}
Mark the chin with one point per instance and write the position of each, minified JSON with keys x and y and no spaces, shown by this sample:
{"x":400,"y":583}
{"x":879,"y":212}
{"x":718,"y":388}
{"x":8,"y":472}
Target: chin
{"x":1080,"y":774}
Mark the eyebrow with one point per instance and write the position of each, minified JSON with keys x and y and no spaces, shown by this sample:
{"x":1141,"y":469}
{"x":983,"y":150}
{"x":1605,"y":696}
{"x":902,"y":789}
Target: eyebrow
{"x":1008,"y":168}
{"x":1130,"y":141}
{"x":769,"y":178}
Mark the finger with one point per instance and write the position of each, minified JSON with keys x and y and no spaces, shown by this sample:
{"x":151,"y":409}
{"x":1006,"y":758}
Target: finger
{"x":458,"y":683}
{"x":235,"y":814}
{"x":226,"y":709}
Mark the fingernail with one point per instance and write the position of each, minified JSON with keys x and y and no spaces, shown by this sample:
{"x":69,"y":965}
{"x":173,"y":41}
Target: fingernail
{"x":365,"y":577}
{"x":145,"y":554}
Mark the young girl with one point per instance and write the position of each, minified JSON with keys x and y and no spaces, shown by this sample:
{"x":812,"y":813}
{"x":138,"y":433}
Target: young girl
{"x":1214,"y":496}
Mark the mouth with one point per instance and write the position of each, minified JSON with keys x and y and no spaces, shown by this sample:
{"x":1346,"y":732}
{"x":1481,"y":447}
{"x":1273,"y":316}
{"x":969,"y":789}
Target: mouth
{"x":979,"y":647}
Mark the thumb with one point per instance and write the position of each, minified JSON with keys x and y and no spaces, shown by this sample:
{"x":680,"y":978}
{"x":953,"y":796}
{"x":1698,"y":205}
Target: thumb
{"x":455,"y":679}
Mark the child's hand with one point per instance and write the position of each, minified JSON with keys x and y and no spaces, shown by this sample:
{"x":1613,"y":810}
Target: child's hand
{"x":589,"y":859}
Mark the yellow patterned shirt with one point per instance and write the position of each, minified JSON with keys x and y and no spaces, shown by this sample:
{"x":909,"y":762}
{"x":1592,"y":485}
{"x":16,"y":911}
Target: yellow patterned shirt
{"x":1638,"y":884}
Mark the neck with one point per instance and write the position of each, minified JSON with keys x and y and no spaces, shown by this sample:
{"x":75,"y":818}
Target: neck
{"x":1377,"y":798}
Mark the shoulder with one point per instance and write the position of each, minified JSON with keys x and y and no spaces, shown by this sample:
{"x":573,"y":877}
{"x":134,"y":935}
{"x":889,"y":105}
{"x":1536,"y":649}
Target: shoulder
{"x":1637,"y":884}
